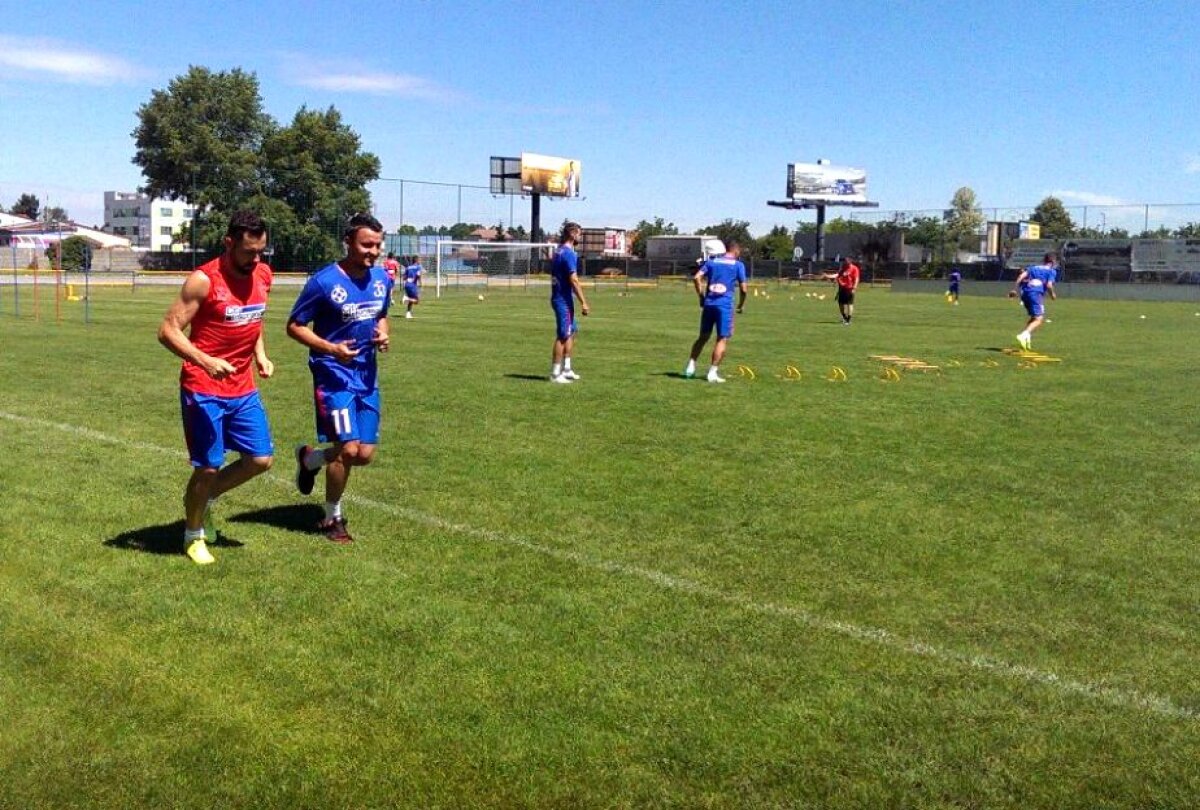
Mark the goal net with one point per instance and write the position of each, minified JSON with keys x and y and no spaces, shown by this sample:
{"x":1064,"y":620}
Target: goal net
{"x":490,"y":264}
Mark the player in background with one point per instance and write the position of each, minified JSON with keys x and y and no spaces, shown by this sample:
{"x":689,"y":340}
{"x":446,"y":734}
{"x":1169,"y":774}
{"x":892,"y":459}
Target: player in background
{"x":221,"y":307}
{"x":391,"y":266}
{"x":412,"y":285}
{"x":564,"y":288}
{"x":347,"y":305}
{"x":719,"y":275}
{"x":955,"y":279}
{"x":847,"y":278}
{"x":1033,"y":283}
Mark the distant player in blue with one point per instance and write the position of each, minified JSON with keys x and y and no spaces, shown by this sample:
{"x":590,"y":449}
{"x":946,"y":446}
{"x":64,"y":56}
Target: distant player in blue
{"x":412,"y":285}
{"x":347,"y":305}
{"x":564,"y":288}
{"x":714,"y":283}
{"x":1032,"y":285}
{"x":955,"y":279}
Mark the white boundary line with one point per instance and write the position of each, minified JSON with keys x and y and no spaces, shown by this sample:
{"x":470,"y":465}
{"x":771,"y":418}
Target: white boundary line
{"x":1122,"y":698}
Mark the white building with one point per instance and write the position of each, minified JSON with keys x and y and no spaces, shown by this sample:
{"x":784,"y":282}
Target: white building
{"x":148,"y":223}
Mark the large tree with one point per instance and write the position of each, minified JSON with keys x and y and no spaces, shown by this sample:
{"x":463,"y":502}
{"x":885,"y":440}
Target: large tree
{"x":645,"y":229}
{"x":778,"y":244}
{"x":27,"y":205}
{"x":316,"y":165}
{"x":964,"y":219}
{"x":200,"y":139}
{"x":1053,"y":217}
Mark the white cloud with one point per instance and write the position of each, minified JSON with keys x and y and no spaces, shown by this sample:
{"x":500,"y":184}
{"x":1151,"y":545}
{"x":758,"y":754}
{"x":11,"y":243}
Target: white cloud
{"x":1088,"y":198}
{"x":60,"y":61}
{"x":1192,"y":164}
{"x":341,"y":78}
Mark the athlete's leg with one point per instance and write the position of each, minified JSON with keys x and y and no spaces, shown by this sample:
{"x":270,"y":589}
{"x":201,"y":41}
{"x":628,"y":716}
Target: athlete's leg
{"x":239,"y":472}
{"x":719,"y":351}
{"x":195,"y":497}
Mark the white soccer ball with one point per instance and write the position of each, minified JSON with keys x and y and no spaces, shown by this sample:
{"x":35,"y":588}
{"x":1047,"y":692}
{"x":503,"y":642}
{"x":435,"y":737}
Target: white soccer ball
{"x":1143,"y":317}
{"x":481,"y":296}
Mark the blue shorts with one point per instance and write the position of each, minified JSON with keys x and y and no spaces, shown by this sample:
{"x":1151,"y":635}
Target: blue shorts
{"x":564,"y":318}
{"x":720,"y":317}
{"x":954,"y":289}
{"x":213,"y":424}
{"x":347,"y":416}
{"x":412,"y":291}
{"x":1033,"y":305}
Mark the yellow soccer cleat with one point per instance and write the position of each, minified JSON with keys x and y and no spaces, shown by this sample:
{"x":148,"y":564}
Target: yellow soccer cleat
{"x":199,"y":553}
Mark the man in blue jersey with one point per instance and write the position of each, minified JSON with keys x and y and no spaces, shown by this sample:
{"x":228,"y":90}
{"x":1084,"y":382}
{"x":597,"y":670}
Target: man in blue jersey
{"x":347,"y":305}
{"x":412,"y":285}
{"x":955,"y":279}
{"x":564,"y":289}
{"x":714,"y":283}
{"x":1033,"y":283}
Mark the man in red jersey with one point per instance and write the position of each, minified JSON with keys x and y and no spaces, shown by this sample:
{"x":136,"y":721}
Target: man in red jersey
{"x":223,"y":302}
{"x":847,"y":283}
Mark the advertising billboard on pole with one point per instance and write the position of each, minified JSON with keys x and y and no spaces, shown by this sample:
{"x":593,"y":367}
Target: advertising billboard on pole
{"x":825,"y":182}
{"x":551,"y":176}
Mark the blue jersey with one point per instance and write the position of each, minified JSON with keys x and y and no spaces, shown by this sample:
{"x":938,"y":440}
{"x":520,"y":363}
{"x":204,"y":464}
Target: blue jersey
{"x":412,"y":273}
{"x":563,"y":267}
{"x":1037,"y":277}
{"x":955,"y":277}
{"x":341,"y":308}
{"x":722,"y":273}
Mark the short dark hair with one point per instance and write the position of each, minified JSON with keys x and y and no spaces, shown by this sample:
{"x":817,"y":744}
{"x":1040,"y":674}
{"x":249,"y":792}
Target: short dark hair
{"x":1050,"y":257}
{"x":245,"y":222}
{"x":567,"y":227}
{"x":359,"y":221}
{"x":732,"y":242}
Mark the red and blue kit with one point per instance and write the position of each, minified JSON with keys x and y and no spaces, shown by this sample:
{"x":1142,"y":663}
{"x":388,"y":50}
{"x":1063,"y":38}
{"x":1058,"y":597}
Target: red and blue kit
{"x":226,"y":414}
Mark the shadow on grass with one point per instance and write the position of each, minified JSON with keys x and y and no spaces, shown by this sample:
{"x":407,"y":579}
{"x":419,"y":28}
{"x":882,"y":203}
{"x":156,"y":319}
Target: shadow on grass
{"x":534,"y":377}
{"x":676,"y":375}
{"x":165,"y":538}
{"x":295,"y":517}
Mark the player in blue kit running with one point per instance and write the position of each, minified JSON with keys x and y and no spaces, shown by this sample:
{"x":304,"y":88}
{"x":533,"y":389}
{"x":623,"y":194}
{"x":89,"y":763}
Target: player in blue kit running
{"x":564,"y":288}
{"x":347,"y":305}
{"x":1033,"y":283}
{"x":720,"y":274}
{"x":955,"y":279}
{"x":412,"y":285}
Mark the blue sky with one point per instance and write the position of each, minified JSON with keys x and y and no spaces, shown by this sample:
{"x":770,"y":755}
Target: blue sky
{"x":690,"y":111}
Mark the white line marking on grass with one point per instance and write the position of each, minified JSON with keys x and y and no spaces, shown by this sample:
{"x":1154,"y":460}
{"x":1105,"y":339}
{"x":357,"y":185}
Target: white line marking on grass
{"x":1124,"y":698}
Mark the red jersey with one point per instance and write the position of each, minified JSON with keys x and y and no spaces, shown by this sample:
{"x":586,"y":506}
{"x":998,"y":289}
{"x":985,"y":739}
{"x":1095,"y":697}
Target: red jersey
{"x":392,"y":267}
{"x":847,"y":277}
{"x":227,"y":326}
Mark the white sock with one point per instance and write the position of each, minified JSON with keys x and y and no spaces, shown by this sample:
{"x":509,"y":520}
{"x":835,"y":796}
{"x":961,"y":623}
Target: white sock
{"x":333,"y":511}
{"x":1024,"y":336}
{"x":712,"y":371}
{"x":691,"y":367}
{"x":315,"y":459}
{"x":555,"y":369}
{"x":192,"y":535}
{"x":566,"y":364}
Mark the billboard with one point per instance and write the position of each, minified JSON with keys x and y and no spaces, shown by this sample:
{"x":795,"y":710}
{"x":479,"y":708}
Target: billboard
{"x":552,"y":176}
{"x":824,"y":182}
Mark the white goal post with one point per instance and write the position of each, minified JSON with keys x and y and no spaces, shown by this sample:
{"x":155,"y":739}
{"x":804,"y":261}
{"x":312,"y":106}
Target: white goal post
{"x":509,"y":264}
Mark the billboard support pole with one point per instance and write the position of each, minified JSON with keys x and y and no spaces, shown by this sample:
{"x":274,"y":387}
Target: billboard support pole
{"x":535,"y":217}
{"x":820,"y":252}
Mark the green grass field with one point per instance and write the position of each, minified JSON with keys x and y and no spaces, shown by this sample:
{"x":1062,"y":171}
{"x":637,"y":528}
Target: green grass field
{"x":977,"y":588}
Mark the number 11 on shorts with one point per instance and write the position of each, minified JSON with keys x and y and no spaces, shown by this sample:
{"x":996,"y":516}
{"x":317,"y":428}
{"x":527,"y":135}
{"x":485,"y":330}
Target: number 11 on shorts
{"x":341,"y":421}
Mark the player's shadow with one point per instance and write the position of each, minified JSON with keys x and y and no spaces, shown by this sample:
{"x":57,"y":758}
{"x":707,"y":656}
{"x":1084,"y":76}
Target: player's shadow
{"x":294,"y":517}
{"x":165,"y":538}
{"x":675,"y":375}
{"x":533,"y":377}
